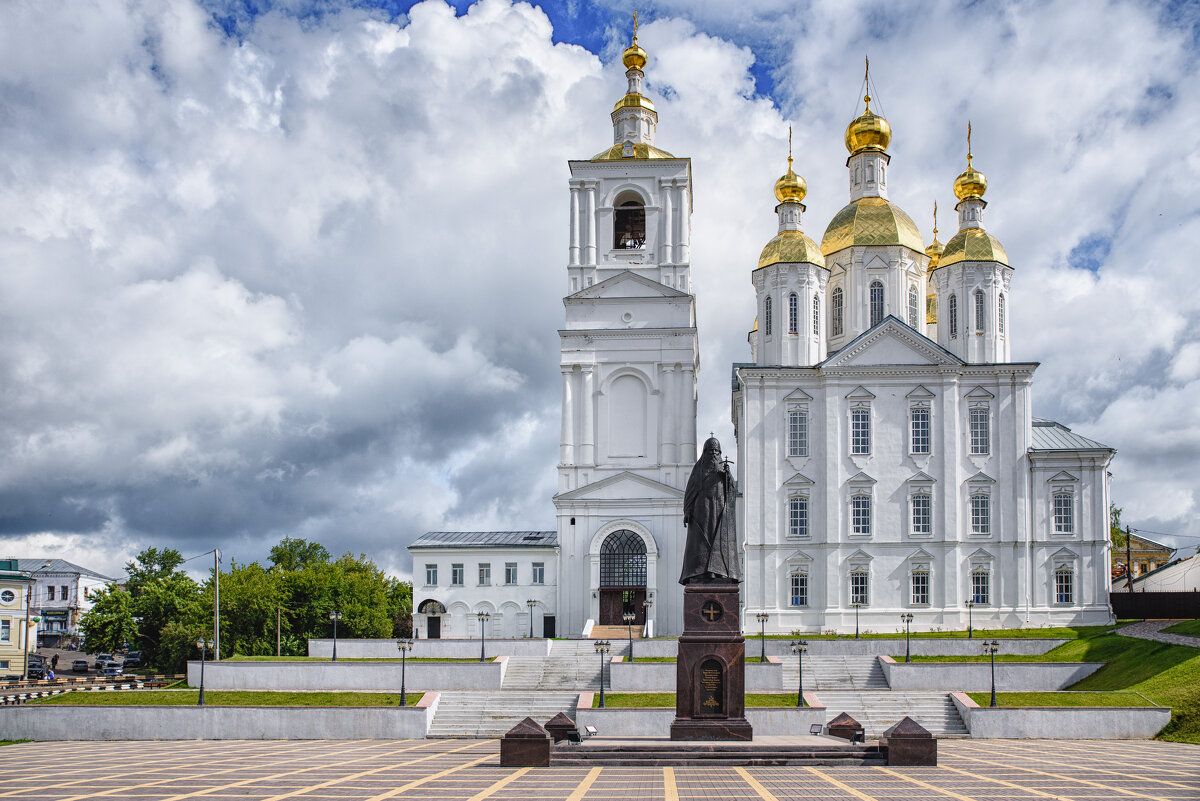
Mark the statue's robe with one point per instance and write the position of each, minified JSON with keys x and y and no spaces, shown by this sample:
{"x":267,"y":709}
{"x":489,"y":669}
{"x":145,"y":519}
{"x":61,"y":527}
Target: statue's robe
{"x":710,"y":553}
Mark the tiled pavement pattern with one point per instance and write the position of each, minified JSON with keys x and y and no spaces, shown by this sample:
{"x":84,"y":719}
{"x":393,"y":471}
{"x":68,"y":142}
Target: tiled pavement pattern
{"x":969,"y":770}
{"x":1153,"y":630}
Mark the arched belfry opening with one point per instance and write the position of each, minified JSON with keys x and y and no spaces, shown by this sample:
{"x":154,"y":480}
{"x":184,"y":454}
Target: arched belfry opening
{"x":629,"y":222}
{"x":622,"y":578}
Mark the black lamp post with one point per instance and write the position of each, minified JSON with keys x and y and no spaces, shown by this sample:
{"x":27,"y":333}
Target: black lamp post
{"x":531,"y":603}
{"x":629,"y":617}
{"x":335,"y":617}
{"x":203,"y":645}
{"x":970,"y":619}
{"x":990,"y":648}
{"x":483,"y":618}
{"x":857,"y":605}
{"x":762,"y":617}
{"x":405,"y":646}
{"x":602,"y":648}
{"x":907,"y":618}
{"x":798,"y":648}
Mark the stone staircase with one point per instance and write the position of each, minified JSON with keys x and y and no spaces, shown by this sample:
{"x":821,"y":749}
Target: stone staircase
{"x":473,"y":715}
{"x":571,"y":665}
{"x":614,"y":633}
{"x":878,"y":710}
{"x":836,"y":673}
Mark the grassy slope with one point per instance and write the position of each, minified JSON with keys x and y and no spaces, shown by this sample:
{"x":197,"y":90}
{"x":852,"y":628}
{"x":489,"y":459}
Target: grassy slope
{"x":1061,"y":699}
{"x":1188,"y":627}
{"x":226,"y":698}
{"x":1067,"y":633}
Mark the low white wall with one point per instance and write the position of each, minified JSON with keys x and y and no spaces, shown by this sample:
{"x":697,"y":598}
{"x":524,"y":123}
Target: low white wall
{"x":977,"y":676}
{"x":657,"y":722}
{"x":339,"y":676}
{"x":62,"y":722}
{"x":433,"y":649}
{"x":846,"y":647}
{"x":1068,"y":723}
{"x":659,"y":677}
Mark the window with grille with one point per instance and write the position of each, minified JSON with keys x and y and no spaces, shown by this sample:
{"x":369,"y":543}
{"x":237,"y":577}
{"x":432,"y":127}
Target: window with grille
{"x":629,"y":225}
{"x":920,"y":588}
{"x":539,"y":572}
{"x":623,"y":560}
{"x":797,"y":432}
{"x":876,"y":302}
{"x":431,"y":575}
{"x":799,"y":589}
{"x":456,"y":575}
{"x":1064,"y":513}
{"x":922,"y":514}
{"x":1000,"y":315}
{"x":860,"y":515}
{"x":914,"y":306}
{"x":980,"y":303}
{"x":1064,"y":585}
{"x":798,"y":517}
{"x":793,"y":314}
{"x":860,"y":587}
{"x":816,"y":328}
{"x":860,"y":431}
{"x":837,"y":311}
{"x":981,"y":514}
{"x":485,"y":574}
{"x":919,"y":419}
{"x":767,"y":315}
{"x":510,"y":572}
{"x":981,"y":443}
{"x":952,"y":313}
{"x":981,"y":587}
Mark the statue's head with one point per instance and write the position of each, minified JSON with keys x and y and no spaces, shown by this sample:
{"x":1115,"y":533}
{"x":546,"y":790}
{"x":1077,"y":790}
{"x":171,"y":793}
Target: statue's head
{"x":712,"y":446}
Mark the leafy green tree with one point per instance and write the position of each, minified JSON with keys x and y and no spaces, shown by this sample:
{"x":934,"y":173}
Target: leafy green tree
{"x":400,"y":605}
{"x":297,"y":554}
{"x":250,"y":597}
{"x":109,"y":624}
{"x":1115,"y":530}
{"x":161,"y":594}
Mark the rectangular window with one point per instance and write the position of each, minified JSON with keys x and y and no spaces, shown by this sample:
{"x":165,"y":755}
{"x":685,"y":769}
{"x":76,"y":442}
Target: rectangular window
{"x":981,"y":514}
{"x":797,"y":433}
{"x":860,"y":588}
{"x":430,"y":575}
{"x":1064,"y":513}
{"x":919,"y":418}
{"x":981,"y":590}
{"x":920,"y":588}
{"x":4,"y":664}
{"x":510,"y":572}
{"x":5,"y":630}
{"x":922,"y":514}
{"x":797,"y":517}
{"x":66,"y":592}
{"x":539,"y":572}
{"x":799,"y":588}
{"x":456,"y":575}
{"x":860,"y":431}
{"x":860,"y":515}
{"x":980,"y":436}
{"x":50,"y":593}
{"x":1064,"y":585}
{"x":485,"y":574}
{"x":979,"y":307}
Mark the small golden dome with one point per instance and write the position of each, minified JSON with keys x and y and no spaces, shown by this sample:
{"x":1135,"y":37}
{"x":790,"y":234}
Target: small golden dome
{"x":871,"y":221}
{"x":633,"y":100}
{"x":755,"y":328}
{"x":791,"y":186}
{"x":791,"y":247}
{"x":634,"y":57}
{"x":934,"y":252}
{"x":970,"y":183}
{"x":868,"y":132}
{"x":973,"y":244}
{"x":638,"y":150}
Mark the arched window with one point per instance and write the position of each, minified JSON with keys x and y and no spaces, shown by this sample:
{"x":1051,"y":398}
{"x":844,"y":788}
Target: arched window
{"x":981,"y":586}
{"x":914,"y":306}
{"x":876,"y":302}
{"x":793,"y":313}
{"x":857,"y":176}
{"x":816,"y":316}
{"x":623,"y":560}
{"x":629,"y":222}
{"x":1000,"y":315}
{"x":952,"y":313}
{"x":979,"y":307}
{"x":870,"y":173}
{"x":767,"y":316}
{"x":837,"y":312}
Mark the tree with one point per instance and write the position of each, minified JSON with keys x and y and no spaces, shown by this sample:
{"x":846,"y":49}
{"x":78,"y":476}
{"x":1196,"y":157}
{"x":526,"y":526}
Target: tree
{"x":161,"y":594}
{"x":297,"y":554}
{"x":109,"y":624}
{"x":1115,"y":531}
{"x":250,"y":597}
{"x":400,"y":605}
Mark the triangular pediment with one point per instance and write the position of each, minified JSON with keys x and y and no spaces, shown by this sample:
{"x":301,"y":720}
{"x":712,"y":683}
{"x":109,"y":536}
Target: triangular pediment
{"x":876,"y":263}
{"x":919,"y":555}
{"x":891,"y":342}
{"x":799,"y":480}
{"x":628,"y":284}
{"x":622,"y":487}
{"x":920,"y":393}
{"x":860,"y":393}
{"x":980,"y":555}
{"x":921,"y":477}
{"x":981,"y":478}
{"x":860,"y":478}
{"x":798,"y":556}
{"x":979,"y":393}
{"x":1061,"y":476}
{"x":798,"y":395}
{"x":1064,"y":553}
{"x":859,"y":556}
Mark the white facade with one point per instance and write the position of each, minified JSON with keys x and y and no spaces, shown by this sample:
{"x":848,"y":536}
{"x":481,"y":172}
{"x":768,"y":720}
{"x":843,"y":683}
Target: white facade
{"x":62,"y":593}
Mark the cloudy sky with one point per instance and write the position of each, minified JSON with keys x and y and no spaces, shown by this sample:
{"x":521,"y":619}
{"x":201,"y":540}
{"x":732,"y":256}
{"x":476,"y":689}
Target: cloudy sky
{"x":295,"y":268}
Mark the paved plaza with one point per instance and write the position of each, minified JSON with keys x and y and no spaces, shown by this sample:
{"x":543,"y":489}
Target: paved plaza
{"x":996,"y":770}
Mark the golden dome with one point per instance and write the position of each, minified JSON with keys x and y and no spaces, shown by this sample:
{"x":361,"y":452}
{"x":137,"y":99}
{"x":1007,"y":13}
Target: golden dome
{"x":791,"y":247}
{"x":868,"y":132}
{"x":871,"y":221}
{"x":634,"y":57}
{"x":640,"y":150}
{"x":972,"y":244}
{"x":755,"y":328}
{"x":970,"y":183}
{"x":791,"y":186}
{"x":934,"y":251}
{"x":633,"y":100}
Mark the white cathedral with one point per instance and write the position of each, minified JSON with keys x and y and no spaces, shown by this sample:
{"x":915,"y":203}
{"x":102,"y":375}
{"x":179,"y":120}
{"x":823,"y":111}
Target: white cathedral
{"x":887,"y":456}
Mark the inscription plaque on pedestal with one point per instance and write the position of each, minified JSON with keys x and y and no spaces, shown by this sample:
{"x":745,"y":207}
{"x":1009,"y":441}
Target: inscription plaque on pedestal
{"x":710,"y":691}
{"x":712,"y":688}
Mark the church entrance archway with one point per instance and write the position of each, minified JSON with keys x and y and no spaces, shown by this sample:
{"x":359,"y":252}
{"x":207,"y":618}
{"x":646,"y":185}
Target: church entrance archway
{"x":433,"y":610}
{"x":622,"y":578}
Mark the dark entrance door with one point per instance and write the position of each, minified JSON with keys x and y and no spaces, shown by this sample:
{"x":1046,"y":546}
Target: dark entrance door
{"x":433,"y":628}
{"x":622,"y":578}
{"x":548,"y":626}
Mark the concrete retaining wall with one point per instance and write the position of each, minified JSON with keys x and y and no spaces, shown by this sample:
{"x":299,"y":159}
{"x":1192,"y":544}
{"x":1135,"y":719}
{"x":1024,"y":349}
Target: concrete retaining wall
{"x":657,"y":722}
{"x":977,"y":676}
{"x":432,"y":649}
{"x":1062,"y":723}
{"x":62,"y":722}
{"x":339,"y":676}
{"x":659,"y":677}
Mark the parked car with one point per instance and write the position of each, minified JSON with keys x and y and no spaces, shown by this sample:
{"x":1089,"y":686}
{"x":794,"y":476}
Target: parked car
{"x":79,"y":666}
{"x":36,"y":670}
{"x":132,"y":659}
{"x":110,"y":670}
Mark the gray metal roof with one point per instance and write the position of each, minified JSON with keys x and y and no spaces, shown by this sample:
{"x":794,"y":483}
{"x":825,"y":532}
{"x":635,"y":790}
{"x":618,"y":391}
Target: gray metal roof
{"x":487,"y":539}
{"x":45,"y":566}
{"x":1051,"y":436}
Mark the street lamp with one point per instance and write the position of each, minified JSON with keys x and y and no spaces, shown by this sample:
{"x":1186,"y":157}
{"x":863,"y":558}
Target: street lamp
{"x":857,"y":605}
{"x":203,"y":645}
{"x":990,"y":648}
{"x":970,"y":619}
{"x":629,"y":617}
{"x":531,"y":603}
{"x":762,"y":617}
{"x":907,"y":618}
{"x":483,"y":618}
{"x":335,"y":617}
{"x":405,"y":646}
{"x":798,"y":648}
{"x":602,"y":648}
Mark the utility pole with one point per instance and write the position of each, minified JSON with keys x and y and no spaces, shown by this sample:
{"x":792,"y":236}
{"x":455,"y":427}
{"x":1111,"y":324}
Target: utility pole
{"x":1128,"y":560}
{"x":278,"y":613}
{"x":216,"y":604}
{"x":28,"y":603}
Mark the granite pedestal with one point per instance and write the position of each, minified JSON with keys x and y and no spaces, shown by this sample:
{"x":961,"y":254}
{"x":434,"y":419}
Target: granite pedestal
{"x":710,"y":679}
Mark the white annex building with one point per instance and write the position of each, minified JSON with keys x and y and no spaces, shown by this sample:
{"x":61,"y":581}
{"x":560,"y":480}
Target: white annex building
{"x":886,"y":451}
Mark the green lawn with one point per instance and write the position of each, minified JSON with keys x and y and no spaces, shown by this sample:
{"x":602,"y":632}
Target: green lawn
{"x":241,"y":658}
{"x":667,"y":700}
{"x":225,"y":698}
{"x":1188,"y":627}
{"x":1061,"y":699}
